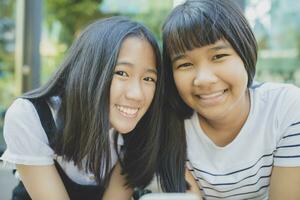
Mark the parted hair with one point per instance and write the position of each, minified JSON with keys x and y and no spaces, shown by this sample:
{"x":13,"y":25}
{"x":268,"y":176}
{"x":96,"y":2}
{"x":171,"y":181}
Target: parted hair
{"x":83,"y":82}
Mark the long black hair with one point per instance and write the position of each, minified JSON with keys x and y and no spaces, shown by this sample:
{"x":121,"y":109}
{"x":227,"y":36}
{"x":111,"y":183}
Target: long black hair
{"x":83,"y":83}
{"x":193,"y":24}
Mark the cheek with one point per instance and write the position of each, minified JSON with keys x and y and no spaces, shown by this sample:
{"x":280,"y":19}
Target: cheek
{"x":235,"y":74}
{"x":182,"y":82}
{"x":241,"y":77}
{"x":149,"y":93}
{"x":115,"y":90}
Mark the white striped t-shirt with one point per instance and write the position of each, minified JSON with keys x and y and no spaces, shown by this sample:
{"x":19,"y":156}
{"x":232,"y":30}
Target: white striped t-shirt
{"x":270,"y":137}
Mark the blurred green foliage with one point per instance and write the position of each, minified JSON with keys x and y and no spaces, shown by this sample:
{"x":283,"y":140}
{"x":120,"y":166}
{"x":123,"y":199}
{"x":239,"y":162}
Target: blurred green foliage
{"x":155,"y":17}
{"x":7,"y":25}
{"x":81,"y":13}
{"x":279,"y":70}
{"x":7,"y":16}
{"x":72,"y":15}
{"x":278,"y":35}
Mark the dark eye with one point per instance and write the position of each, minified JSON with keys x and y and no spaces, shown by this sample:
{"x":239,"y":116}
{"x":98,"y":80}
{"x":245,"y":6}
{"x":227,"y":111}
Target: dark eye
{"x":219,"y":56}
{"x":183,"y":65}
{"x":121,"y":73}
{"x":149,"y":79}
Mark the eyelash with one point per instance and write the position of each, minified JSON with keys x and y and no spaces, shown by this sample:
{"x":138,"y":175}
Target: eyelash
{"x":150,"y":79}
{"x":121,"y":73}
{"x":124,"y":74}
{"x":184,"y":65}
{"x":219,"y":56}
{"x":214,"y":58}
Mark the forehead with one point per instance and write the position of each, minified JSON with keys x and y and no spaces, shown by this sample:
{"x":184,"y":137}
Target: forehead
{"x":134,"y":44}
{"x":136,"y":51}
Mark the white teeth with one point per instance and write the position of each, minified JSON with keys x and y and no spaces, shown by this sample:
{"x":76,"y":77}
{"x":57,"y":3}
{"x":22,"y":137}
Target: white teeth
{"x":212,"y":95}
{"x":127,"y":111}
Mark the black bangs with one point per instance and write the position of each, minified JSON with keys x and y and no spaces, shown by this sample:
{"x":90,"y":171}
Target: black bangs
{"x":185,"y":31}
{"x":198,"y":23}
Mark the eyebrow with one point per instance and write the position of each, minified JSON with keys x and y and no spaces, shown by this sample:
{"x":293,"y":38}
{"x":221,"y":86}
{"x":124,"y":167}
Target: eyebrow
{"x":219,"y":47}
{"x":178,"y":57}
{"x":149,"y":69}
{"x":213,"y":48}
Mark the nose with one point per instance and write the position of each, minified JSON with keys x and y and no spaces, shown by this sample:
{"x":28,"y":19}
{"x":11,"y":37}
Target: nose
{"x":205,"y":76}
{"x":134,"y":91}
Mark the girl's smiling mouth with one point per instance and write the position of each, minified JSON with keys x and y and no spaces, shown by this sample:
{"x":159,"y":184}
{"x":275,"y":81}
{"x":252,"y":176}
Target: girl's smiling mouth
{"x":213,"y":98}
{"x":127,"y":111}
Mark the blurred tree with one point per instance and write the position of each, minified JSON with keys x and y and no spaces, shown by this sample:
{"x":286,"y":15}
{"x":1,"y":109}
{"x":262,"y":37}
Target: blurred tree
{"x":63,"y":20}
{"x":7,"y":38}
{"x":277,"y":28}
{"x":155,"y":16}
{"x":7,"y":8}
{"x":7,"y":27}
{"x":72,"y":15}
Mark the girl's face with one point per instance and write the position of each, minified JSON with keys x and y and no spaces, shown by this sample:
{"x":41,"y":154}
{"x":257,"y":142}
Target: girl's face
{"x":212,"y":80}
{"x":133,"y":84}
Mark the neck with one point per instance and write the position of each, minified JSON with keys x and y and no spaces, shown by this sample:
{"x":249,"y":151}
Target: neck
{"x":222,"y":131}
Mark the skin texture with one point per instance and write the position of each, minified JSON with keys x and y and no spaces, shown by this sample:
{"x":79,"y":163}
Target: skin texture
{"x":133,"y":85}
{"x":131,"y":93}
{"x":212,"y":80}
{"x":42,"y":182}
{"x":285,"y":183}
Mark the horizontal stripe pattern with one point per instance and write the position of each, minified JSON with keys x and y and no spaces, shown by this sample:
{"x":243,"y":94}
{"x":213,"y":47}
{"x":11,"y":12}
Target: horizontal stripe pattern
{"x":296,"y":123}
{"x":240,"y":194}
{"x":248,"y":182}
{"x":230,"y":173}
{"x":289,"y":145}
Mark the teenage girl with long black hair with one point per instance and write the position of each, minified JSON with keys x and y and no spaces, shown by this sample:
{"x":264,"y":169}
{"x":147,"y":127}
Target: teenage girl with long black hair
{"x":66,"y":136}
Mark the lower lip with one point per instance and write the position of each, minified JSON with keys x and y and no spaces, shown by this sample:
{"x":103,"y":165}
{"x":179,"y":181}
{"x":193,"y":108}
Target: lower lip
{"x":214,"y":100}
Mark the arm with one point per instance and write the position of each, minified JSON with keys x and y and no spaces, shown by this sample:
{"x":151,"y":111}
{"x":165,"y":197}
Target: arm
{"x":42,"y":182}
{"x":285,"y":177}
{"x":285,"y":183}
{"x":285,"y":180}
{"x":116,"y":188}
{"x":194,"y":186}
{"x":28,"y":148}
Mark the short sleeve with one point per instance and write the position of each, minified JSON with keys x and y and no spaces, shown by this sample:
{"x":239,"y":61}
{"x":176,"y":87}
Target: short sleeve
{"x":287,"y":152}
{"x":25,"y":138}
